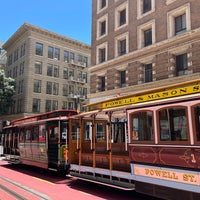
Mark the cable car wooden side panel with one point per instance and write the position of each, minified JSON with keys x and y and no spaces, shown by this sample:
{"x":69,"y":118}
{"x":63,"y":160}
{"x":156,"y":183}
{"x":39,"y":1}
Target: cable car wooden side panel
{"x":160,"y":152}
{"x":40,"y":140}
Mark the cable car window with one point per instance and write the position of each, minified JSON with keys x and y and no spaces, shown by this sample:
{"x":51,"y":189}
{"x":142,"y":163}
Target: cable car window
{"x":142,"y":126}
{"x":28,"y":135}
{"x":173,"y":124}
{"x":22,"y":135}
{"x":35,"y":133}
{"x":197,"y":121}
{"x":42,"y":133}
{"x":87,"y":130}
{"x":75,"y":131}
{"x":100,"y":131}
{"x":118,"y":128}
{"x":64,"y":130}
{"x":53,"y":133}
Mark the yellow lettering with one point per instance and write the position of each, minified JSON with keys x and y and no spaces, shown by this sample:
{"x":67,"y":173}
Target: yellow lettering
{"x":189,"y":178}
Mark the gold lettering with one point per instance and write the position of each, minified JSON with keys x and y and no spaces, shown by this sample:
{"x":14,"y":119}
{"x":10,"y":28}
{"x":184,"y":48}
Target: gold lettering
{"x":146,"y":171}
{"x":189,"y":178}
{"x":196,"y":88}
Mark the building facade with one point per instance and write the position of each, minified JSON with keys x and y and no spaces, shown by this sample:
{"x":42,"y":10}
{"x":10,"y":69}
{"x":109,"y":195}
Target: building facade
{"x":143,"y":44}
{"x":50,"y":70}
{"x":3,"y":57}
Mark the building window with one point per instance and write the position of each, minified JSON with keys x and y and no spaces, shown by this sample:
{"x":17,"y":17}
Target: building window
{"x":101,"y":4}
{"x":48,"y":105}
{"x":71,"y":90}
{"x":56,"y":71}
{"x":50,"y":52}
{"x":179,"y":20}
{"x":121,"y":45}
{"x":123,"y":79}
{"x":180,"y":24}
{"x":66,"y":56}
{"x":39,"y":49}
{"x":102,"y":83}
{"x":101,"y":53}
{"x":148,"y":73}
{"x":49,"y":70}
{"x":121,"y":16}
{"x":36,"y":105}
{"x":181,"y":64}
{"x":55,"y":105}
{"x":37,"y":86}
{"x":146,"y":5}
{"x":23,"y":49}
{"x":20,"y":87}
{"x":147,"y":37}
{"x":146,"y":34}
{"x":65,"y":73}
{"x":71,"y":74}
{"x":64,"y":105}
{"x":57,"y":54}
{"x":70,"y":105}
{"x":72,"y":56}
{"x":38,"y":67}
{"x":65,"y":90}
{"x":21,"y":68}
{"x":55,"y":88}
{"x":49,"y":88}
{"x":102,"y":26}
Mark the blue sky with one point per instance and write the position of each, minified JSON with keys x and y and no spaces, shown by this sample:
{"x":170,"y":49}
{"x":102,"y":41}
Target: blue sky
{"x":71,"y":18}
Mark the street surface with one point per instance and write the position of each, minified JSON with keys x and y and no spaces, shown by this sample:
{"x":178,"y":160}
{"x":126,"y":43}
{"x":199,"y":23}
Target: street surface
{"x":25,"y":182}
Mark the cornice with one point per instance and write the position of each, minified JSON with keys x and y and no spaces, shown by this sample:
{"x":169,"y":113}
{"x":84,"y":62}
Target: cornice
{"x":28,"y":27}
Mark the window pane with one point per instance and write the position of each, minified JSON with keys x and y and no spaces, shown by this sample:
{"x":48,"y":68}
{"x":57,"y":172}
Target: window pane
{"x":123,"y":79}
{"x":180,"y":24}
{"x":146,"y":5}
{"x":142,"y":126}
{"x":39,"y":49}
{"x":103,"y":28}
{"x":35,"y":133}
{"x":147,"y":37}
{"x":50,"y":70}
{"x":50,"y":52}
{"x":197,"y":121}
{"x":57,"y":54}
{"x":122,"y":17}
{"x":100,"y":131}
{"x":38,"y":67}
{"x":102,"y":55}
{"x":102,"y":83}
{"x":173,"y":124}
{"x":87,"y":130}
{"x":37,"y":86}
{"x":148,"y":73}
{"x":181,"y":64}
{"x":36,"y":105}
{"x":122,"y":47}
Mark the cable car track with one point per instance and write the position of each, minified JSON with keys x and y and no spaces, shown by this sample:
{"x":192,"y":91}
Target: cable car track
{"x":20,"y":192}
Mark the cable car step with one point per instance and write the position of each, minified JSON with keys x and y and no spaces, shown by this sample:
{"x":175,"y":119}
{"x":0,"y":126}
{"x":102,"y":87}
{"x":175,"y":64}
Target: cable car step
{"x":123,"y":185}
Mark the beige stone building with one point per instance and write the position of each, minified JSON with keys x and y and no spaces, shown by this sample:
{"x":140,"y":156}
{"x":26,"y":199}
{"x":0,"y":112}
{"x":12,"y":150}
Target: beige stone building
{"x":142,"y":44}
{"x":51,"y":71}
{"x":3,"y":57}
